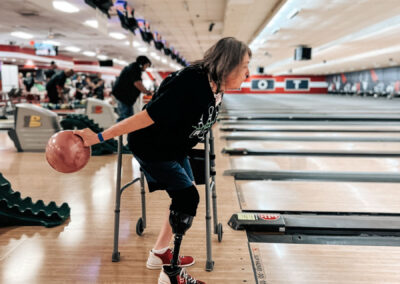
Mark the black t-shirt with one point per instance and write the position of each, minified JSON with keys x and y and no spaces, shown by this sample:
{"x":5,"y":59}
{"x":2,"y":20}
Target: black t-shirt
{"x":183,"y":110}
{"x":100,"y":89}
{"x":57,"y":80}
{"x":124,"y":89}
{"x":29,"y":82}
{"x":49,"y":73}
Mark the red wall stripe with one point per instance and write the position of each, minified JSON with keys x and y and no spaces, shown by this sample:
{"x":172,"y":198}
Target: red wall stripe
{"x":281,"y":90}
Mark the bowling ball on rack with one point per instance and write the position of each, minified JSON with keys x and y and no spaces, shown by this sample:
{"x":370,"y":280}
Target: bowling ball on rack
{"x":66,"y":153}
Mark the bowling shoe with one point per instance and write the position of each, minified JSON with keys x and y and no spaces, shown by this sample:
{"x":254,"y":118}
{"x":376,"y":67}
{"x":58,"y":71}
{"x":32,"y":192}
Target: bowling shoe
{"x":179,"y":275}
{"x":156,"y":261}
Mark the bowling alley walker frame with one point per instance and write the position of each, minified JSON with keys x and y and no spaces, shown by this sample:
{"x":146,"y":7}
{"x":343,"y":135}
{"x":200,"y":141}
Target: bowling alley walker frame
{"x":210,"y":189}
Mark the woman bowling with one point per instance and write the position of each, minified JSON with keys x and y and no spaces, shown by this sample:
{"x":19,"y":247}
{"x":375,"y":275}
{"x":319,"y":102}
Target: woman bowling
{"x":178,"y":117}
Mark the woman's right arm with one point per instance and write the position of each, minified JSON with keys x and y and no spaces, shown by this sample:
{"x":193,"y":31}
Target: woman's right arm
{"x":130,"y":124}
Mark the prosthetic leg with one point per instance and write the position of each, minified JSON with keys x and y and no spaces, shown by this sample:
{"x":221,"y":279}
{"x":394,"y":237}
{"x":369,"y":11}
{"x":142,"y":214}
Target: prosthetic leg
{"x":180,"y":223}
{"x":173,"y":274}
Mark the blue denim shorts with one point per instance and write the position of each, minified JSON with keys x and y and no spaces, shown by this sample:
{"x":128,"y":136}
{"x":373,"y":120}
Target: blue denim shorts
{"x":167,"y":175}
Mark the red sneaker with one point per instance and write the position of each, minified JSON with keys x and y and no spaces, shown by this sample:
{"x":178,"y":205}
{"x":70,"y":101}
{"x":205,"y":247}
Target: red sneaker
{"x":156,"y":261}
{"x":178,"y":275}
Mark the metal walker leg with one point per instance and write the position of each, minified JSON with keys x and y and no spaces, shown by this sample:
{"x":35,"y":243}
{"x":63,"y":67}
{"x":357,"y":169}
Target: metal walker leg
{"x":217,"y":226}
{"x":209,"y":261}
{"x":118,"y":192}
{"x":210,"y":188}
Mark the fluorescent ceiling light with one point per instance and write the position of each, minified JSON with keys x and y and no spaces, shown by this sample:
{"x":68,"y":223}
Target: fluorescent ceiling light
{"x":89,"y":53}
{"x":153,"y":54}
{"x":275,"y":31}
{"x":72,"y":49}
{"x":117,"y":35}
{"x":22,"y":35}
{"x":389,"y":50}
{"x":120,"y":62}
{"x":127,"y":42}
{"x":102,"y":57}
{"x":92,"y":23}
{"x":52,"y":42}
{"x":370,"y":31}
{"x":65,"y":7}
{"x":135,"y":43}
{"x":293,"y":13}
{"x":278,"y":20}
{"x":142,"y":49}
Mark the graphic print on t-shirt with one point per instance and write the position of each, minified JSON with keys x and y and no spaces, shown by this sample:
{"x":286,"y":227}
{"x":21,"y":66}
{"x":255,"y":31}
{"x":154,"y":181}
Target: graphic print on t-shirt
{"x":206,"y":122}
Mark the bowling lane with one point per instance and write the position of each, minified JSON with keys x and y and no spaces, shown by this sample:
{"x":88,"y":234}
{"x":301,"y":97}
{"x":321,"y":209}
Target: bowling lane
{"x":310,"y":196}
{"x":305,"y":122}
{"x":331,"y":127}
{"x":315,"y":103}
{"x":325,"y":164}
{"x":314,"y":134}
{"x":312,"y":263}
{"x":317,"y":146}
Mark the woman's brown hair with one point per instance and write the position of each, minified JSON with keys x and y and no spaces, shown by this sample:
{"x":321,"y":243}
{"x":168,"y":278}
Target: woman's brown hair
{"x":222,"y":58}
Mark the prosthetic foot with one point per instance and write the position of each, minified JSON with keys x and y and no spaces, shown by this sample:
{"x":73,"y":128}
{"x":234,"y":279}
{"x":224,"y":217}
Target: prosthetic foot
{"x":173,"y":274}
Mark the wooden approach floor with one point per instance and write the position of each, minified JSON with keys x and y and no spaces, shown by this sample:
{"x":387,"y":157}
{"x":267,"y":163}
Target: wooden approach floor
{"x":79,"y":251}
{"x":311,"y":196}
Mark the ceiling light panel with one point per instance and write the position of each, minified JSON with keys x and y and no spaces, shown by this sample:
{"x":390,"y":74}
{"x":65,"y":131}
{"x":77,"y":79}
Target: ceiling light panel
{"x":92,"y":23}
{"x":117,"y":35}
{"x":65,"y":7}
{"x":22,"y":35}
{"x":72,"y":49}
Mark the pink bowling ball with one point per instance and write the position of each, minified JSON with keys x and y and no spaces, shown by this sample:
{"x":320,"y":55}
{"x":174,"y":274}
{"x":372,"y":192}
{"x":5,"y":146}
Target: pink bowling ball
{"x":66,"y":153}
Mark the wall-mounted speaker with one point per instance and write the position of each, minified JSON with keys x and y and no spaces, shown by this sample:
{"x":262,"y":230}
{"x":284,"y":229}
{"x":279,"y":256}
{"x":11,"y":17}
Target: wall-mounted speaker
{"x":302,"y":53}
{"x":106,"y":63}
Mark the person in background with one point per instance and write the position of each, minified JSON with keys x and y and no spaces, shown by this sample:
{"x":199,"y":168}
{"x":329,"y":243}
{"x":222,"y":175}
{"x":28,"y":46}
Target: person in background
{"x":55,"y":86}
{"x":21,"y":84}
{"x":29,"y":81}
{"x":96,"y":85}
{"x":178,"y":117}
{"x":51,"y":71}
{"x":79,"y":85}
{"x":128,"y":86}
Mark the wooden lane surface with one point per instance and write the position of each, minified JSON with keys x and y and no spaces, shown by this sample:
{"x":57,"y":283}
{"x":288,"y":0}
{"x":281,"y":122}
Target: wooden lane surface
{"x":331,"y":127}
{"x":319,"y":264}
{"x":79,"y":251}
{"x":319,"y":196}
{"x":318,"y":103}
{"x":314,"y":134}
{"x":317,"y":146}
{"x":331,"y":164}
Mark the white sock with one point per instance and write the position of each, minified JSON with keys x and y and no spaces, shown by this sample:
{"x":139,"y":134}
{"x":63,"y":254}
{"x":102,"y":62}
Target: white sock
{"x":160,"y":251}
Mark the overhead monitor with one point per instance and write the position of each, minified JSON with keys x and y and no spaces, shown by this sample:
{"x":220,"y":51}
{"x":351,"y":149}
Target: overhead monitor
{"x":45,"y":49}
